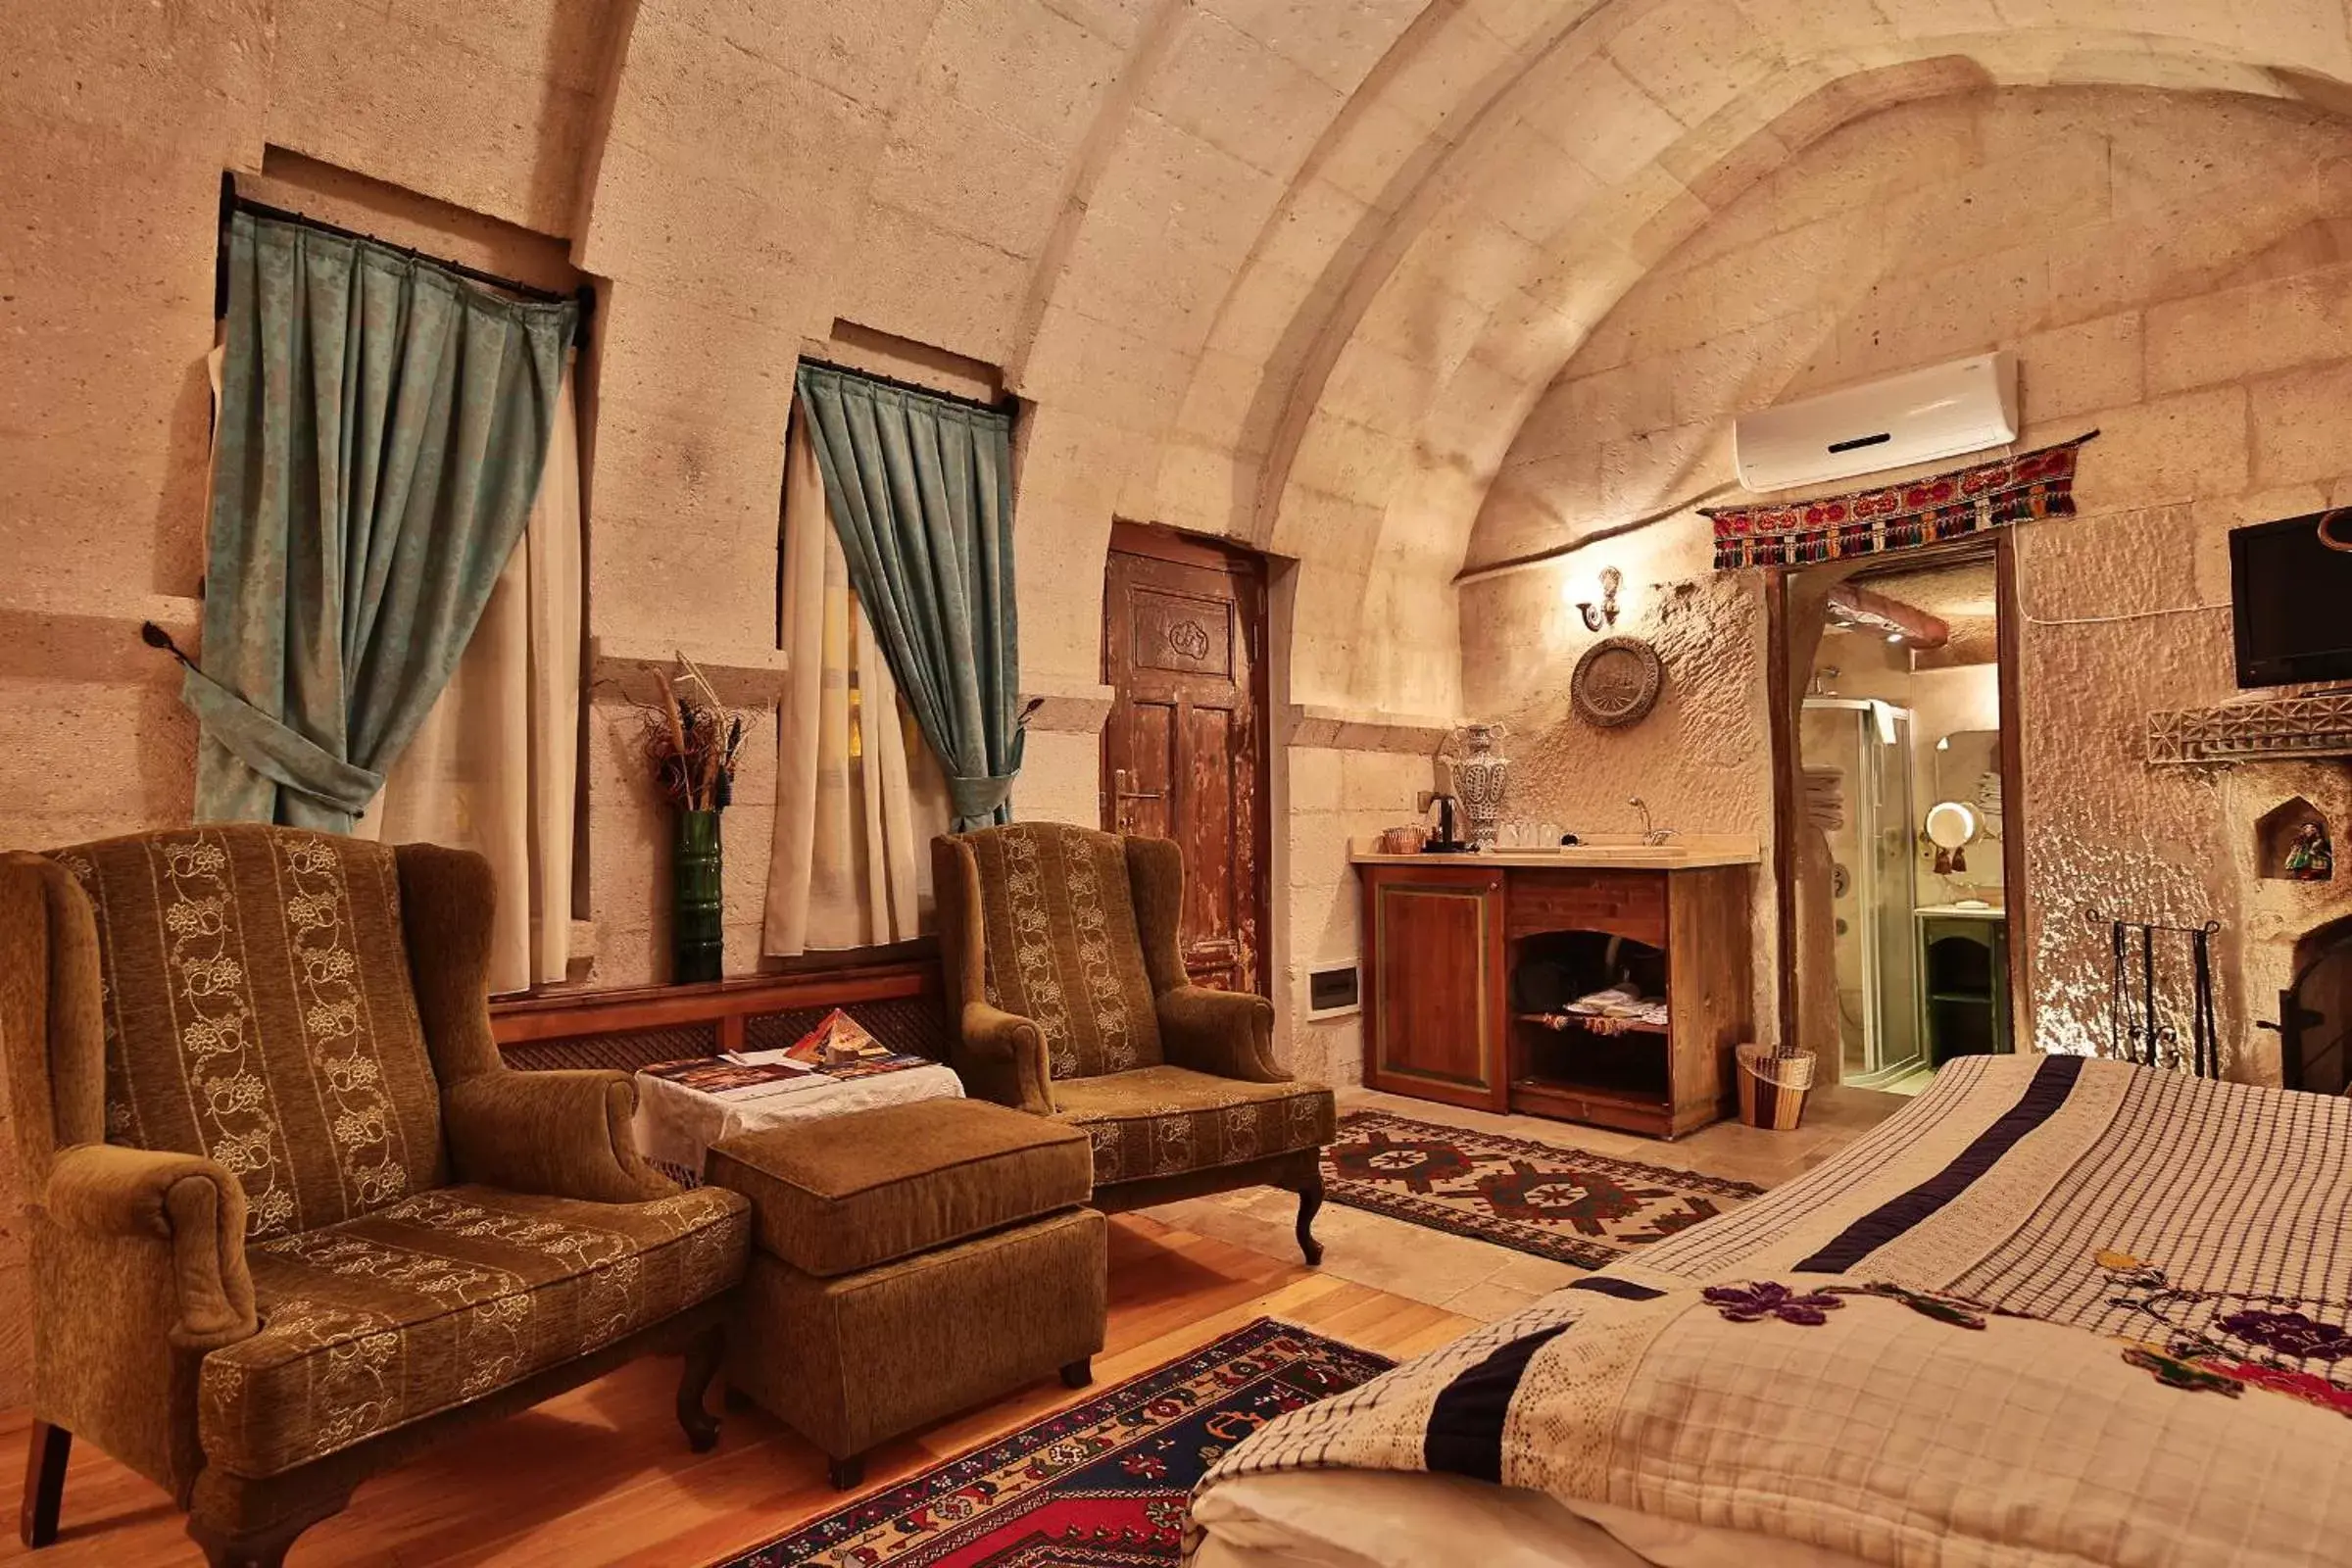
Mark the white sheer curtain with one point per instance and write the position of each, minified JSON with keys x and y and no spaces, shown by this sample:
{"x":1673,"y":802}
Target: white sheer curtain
{"x":495,"y":767}
{"x":859,"y":796}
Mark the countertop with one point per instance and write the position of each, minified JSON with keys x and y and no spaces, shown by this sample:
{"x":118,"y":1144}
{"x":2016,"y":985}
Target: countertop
{"x":1697,"y":852}
{"x":1961,"y":911}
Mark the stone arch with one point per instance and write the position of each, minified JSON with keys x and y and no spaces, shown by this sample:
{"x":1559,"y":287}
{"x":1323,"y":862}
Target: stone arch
{"x":1336,"y":496}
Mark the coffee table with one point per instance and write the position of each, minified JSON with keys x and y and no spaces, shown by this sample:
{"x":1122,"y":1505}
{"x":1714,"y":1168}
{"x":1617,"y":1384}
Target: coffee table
{"x":676,"y":1126}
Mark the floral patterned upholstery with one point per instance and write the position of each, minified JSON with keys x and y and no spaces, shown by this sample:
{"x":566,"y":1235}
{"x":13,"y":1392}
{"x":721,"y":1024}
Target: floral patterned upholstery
{"x":290,"y":1213}
{"x":257,"y":1010}
{"x":1063,"y":959}
{"x":441,"y":1297}
{"x":1164,"y":1121}
{"x":1063,"y":947}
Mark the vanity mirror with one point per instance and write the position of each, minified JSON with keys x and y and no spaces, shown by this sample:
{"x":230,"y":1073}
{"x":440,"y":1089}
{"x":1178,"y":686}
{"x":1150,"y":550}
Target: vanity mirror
{"x":1968,"y":769}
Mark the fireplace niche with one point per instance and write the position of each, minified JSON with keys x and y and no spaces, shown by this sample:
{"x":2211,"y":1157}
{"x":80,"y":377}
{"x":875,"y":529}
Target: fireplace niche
{"x":2315,"y":1013}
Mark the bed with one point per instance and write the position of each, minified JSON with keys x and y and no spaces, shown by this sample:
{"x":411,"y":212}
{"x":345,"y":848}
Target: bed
{"x":2056,"y":1311}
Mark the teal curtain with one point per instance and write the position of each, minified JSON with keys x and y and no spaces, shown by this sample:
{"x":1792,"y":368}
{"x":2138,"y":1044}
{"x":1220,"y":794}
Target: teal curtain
{"x":921,"y":494}
{"x":382,"y":427}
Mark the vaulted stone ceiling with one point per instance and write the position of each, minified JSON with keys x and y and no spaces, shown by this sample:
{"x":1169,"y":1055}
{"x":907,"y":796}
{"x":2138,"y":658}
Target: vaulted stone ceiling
{"x":1290,"y":270}
{"x":1293,"y":270}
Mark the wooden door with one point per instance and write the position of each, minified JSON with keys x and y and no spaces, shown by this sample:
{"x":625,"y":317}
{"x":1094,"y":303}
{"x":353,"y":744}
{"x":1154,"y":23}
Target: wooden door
{"x":1435,"y":1023}
{"x":1184,"y":749}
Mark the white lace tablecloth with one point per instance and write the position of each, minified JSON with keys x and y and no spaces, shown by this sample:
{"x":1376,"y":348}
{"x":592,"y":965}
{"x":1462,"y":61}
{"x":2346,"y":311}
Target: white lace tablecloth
{"x":676,"y":1126}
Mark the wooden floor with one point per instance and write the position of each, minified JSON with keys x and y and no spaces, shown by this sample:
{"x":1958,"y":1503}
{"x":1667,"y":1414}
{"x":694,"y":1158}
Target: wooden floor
{"x":1477,"y":1278}
{"x":602,"y":1475}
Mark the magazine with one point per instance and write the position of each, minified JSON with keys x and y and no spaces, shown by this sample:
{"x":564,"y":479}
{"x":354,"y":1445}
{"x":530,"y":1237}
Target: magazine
{"x":867,"y":1067}
{"x":735,"y":1080}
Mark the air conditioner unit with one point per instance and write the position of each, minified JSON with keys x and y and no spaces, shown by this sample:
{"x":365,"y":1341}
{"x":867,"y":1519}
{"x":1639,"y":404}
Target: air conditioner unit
{"x":1917,"y":417}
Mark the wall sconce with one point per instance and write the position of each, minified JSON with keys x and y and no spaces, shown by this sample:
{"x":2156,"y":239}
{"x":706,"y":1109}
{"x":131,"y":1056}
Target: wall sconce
{"x":1604,"y":613}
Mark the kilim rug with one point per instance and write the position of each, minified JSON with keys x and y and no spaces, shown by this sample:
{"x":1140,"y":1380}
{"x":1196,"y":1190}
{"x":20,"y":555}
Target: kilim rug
{"x":1100,"y":1485}
{"x":1561,"y":1204}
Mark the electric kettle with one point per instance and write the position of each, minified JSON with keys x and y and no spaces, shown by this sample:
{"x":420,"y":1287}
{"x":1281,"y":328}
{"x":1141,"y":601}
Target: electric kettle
{"x":1442,"y":839}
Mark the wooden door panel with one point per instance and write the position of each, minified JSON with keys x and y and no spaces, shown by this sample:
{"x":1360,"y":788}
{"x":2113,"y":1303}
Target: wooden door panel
{"x":1209,"y":867}
{"x":1436,"y":1025}
{"x":1143,"y":809}
{"x":1429,"y":967}
{"x":1182,"y":634}
{"x":1184,"y":751}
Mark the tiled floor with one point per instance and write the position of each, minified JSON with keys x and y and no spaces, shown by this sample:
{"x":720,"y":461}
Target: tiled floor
{"x":1478,"y":1279}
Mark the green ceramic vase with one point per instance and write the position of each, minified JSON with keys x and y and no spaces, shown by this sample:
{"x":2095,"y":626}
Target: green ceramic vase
{"x":697,"y":923}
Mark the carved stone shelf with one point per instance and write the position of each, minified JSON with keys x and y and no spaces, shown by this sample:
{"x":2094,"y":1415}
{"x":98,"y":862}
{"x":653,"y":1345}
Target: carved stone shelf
{"x":2275,"y":729}
{"x":1065,"y":706}
{"x":749,"y":677}
{"x":1367,"y":730}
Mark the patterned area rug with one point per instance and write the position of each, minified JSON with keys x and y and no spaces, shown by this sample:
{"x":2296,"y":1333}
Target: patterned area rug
{"x":1101,"y":1485}
{"x":1561,"y":1204}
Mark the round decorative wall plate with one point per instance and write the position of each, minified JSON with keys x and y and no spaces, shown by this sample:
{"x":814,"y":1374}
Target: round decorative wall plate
{"x":1616,"y":682}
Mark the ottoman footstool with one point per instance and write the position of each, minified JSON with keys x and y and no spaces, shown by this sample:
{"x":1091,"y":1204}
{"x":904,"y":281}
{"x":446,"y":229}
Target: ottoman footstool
{"x":908,"y":1262}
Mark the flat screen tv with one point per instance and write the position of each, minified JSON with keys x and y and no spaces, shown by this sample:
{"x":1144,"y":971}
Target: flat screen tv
{"x":2292,"y":583}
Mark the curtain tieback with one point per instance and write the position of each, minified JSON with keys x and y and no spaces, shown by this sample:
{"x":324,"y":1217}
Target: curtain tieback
{"x":975,"y":798}
{"x":273,"y":751}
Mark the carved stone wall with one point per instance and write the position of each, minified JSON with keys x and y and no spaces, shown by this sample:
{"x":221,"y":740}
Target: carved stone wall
{"x":2162,"y":265}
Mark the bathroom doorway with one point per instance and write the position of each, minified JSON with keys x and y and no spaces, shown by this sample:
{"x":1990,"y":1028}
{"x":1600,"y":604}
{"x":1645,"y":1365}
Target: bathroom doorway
{"x":1900,"y":849}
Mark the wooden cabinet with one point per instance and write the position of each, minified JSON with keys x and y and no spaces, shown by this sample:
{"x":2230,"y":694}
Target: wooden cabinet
{"x":1471,"y":967}
{"x":1964,"y":985}
{"x":1433,"y":1019}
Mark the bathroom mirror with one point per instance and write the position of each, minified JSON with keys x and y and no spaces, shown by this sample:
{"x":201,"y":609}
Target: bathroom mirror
{"x":1968,"y":769}
{"x":1952,"y":824}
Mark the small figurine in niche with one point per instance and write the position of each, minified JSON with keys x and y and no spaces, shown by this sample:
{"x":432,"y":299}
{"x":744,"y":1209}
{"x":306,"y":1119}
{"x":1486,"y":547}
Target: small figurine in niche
{"x":2311,"y":859}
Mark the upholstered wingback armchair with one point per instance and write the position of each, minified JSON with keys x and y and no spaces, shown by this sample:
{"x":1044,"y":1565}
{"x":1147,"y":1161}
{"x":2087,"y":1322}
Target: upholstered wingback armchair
{"x":290,"y":1215}
{"x":1070,"y":1000}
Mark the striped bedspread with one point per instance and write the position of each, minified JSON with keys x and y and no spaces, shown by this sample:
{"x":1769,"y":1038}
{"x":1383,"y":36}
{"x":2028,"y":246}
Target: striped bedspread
{"x":2056,"y":1311}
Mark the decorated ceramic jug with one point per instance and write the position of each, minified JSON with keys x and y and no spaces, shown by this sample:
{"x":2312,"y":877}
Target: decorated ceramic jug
{"x":1480,"y":777}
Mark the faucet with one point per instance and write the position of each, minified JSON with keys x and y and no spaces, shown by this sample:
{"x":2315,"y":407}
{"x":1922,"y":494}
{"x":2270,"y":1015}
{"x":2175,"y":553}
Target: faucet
{"x":1651,"y":835}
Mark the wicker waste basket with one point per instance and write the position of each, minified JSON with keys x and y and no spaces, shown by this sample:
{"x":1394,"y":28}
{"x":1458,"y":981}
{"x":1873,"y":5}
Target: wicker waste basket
{"x":1773,"y":1085}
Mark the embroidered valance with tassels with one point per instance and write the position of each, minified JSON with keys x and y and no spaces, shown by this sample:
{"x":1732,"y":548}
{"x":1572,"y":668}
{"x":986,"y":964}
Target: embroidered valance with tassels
{"x":1899,"y":517}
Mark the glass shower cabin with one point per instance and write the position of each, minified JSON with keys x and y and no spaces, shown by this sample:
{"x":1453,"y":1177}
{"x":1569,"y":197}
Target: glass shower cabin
{"x":1866,"y":744}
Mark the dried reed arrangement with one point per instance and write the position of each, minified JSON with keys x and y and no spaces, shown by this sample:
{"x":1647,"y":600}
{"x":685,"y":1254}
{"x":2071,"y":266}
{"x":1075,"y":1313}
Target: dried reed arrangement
{"x":693,"y":740}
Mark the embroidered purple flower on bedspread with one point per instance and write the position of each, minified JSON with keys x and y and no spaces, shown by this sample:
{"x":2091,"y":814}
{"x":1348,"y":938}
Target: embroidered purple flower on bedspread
{"x":2289,"y":1333}
{"x":1759,"y":1300}
{"x":2218,"y":1358}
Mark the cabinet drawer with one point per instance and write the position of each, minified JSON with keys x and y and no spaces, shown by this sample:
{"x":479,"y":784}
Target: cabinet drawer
{"x":1626,"y":903}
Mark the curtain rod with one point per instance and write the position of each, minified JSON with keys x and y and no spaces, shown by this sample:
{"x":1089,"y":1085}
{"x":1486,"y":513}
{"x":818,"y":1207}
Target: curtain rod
{"x":1005,"y":404}
{"x":231,"y":202}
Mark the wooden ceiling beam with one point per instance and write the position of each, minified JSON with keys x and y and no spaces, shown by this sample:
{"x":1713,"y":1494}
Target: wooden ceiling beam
{"x":1860,"y":609}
